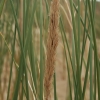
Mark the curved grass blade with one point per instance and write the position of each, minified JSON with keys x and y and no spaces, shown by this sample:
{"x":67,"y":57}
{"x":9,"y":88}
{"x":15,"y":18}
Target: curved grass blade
{"x":66,"y":41}
{"x":20,"y":73}
{"x":70,"y":88}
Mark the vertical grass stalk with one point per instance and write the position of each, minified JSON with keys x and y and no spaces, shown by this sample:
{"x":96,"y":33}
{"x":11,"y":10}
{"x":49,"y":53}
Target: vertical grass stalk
{"x":52,"y":42}
{"x":41,"y":52}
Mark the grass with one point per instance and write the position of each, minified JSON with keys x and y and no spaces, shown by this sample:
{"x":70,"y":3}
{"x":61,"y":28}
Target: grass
{"x":36,"y":67}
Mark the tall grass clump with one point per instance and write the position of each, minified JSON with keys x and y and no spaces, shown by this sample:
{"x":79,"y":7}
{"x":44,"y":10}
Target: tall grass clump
{"x":39,"y":39}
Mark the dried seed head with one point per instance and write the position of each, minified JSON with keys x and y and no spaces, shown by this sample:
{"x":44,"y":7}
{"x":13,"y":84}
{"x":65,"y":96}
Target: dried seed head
{"x":52,"y":43}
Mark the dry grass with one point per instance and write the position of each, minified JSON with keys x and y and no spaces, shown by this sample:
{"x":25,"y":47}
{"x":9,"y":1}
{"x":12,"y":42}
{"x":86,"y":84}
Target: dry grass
{"x":52,"y":43}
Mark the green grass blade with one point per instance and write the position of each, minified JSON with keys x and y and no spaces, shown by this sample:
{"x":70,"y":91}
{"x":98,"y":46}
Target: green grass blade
{"x":15,"y":95}
{"x":26,"y":82}
{"x":47,"y":7}
{"x":63,"y":35}
{"x":86,"y":75}
{"x":13,"y":48}
{"x":91,"y":79}
{"x":55,"y":93}
{"x":23,"y":57}
{"x":84,"y":36}
{"x":95,"y":47}
{"x":74,"y":77}
{"x":77,"y":51}
{"x":41,"y":52}
{"x":32,"y":62}
{"x":2,"y":6}
{"x":62,"y":27}
{"x":28,"y":35}
{"x":79,"y":29}
{"x":95,"y":81}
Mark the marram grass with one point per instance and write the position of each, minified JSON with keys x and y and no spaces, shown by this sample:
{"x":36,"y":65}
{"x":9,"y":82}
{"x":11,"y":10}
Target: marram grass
{"x":82,"y":65}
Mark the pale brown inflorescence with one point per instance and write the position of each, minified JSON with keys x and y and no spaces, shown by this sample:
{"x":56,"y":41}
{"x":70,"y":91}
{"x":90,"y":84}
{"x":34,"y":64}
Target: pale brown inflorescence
{"x":52,"y":43}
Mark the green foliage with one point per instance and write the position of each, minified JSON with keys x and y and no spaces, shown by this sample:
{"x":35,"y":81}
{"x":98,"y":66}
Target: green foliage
{"x":31,"y":65}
